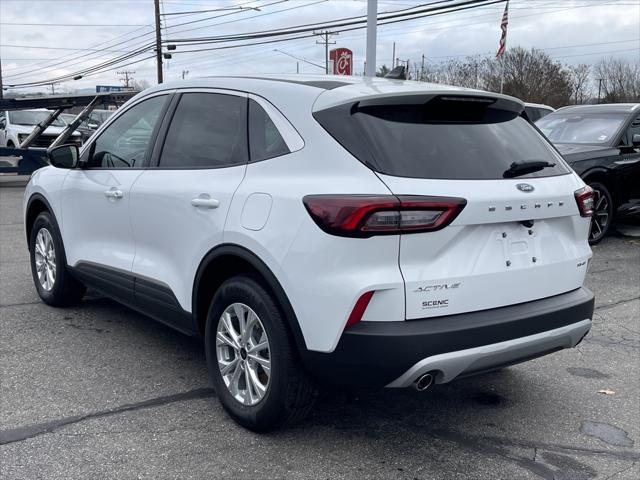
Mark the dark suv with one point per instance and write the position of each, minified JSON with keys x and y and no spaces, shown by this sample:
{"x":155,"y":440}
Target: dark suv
{"x":602,"y":144}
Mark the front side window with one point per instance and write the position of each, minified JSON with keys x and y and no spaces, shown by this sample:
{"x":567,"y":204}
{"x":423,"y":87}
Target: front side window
{"x":208,"y":130}
{"x":126,"y":142}
{"x":634,"y":129}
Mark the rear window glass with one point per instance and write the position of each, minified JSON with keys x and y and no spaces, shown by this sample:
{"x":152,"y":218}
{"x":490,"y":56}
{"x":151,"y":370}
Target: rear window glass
{"x":467,"y":140}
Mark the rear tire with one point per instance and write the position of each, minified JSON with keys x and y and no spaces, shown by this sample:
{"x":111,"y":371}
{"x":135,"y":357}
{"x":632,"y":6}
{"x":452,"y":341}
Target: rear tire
{"x":261,"y":388}
{"x":602,"y":213}
{"x":54,"y":283}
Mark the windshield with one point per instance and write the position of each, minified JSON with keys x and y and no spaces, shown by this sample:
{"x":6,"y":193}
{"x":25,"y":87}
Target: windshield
{"x":591,"y":128}
{"x":67,"y":118}
{"x":32,"y":117}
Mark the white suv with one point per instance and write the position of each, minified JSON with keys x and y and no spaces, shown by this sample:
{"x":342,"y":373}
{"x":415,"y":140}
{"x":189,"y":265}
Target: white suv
{"x":17,"y":125}
{"x":319,"y":229}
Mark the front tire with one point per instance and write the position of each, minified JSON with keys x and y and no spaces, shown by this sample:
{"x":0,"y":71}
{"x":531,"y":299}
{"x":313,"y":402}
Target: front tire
{"x":602,"y":213}
{"x":54,"y":283}
{"x":251,"y":357}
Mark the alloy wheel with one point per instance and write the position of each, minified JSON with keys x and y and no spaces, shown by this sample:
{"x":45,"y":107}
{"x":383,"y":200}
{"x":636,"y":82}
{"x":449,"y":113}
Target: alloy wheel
{"x":243,"y":353}
{"x":601,"y":215}
{"x":45,"y":259}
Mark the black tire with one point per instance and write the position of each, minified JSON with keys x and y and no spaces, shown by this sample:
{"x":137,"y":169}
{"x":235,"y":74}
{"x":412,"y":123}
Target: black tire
{"x":290,"y":393}
{"x":603,"y":211}
{"x":66,"y":290}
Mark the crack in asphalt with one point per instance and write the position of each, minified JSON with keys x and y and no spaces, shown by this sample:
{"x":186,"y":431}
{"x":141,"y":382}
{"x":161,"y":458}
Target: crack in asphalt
{"x":8,"y":305}
{"x":23,"y":433}
{"x":615,"y":304}
{"x":621,"y":471}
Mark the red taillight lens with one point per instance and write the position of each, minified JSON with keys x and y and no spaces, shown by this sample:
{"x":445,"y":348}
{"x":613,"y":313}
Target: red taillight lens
{"x":585,"y":199}
{"x":365,"y":215}
{"x":358,"y":309}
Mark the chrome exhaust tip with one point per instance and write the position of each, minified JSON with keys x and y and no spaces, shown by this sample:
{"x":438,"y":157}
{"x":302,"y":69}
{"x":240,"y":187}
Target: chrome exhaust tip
{"x":423,"y":382}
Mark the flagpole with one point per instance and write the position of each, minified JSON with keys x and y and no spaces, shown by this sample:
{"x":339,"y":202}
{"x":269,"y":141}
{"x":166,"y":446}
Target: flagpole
{"x":503,"y":43}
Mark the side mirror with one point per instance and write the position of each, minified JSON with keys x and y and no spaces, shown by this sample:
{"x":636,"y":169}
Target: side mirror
{"x":92,"y":126}
{"x":635,"y":140}
{"x":64,"y":156}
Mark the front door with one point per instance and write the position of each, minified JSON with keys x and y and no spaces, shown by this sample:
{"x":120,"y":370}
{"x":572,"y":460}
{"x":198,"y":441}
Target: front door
{"x":96,"y":226}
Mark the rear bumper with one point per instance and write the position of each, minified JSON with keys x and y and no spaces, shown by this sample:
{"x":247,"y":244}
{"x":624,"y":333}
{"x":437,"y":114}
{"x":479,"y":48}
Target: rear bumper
{"x":394,"y":354}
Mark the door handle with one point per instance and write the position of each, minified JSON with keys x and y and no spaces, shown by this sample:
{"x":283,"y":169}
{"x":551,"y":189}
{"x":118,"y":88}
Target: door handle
{"x":113,"y":193}
{"x":205,"y":202}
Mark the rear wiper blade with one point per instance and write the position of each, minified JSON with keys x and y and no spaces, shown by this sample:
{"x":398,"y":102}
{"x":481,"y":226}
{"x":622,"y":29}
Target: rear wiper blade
{"x":522,"y":168}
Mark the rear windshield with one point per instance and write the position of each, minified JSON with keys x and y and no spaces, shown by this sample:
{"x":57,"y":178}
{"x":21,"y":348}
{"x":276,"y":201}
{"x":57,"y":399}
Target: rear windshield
{"x":463,"y":141}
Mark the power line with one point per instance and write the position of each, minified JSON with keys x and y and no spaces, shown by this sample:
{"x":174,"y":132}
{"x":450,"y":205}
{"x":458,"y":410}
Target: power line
{"x":75,"y":25}
{"x":344,"y":22}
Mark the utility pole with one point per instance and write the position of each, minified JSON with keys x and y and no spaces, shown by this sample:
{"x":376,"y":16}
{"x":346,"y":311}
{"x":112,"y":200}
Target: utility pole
{"x":158,"y":41}
{"x":422,"y":69}
{"x":53,"y":87}
{"x":599,"y":88}
{"x":326,"y":44}
{"x":372,"y":36}
{"x":393,"y":57}
{"x":126,"y":77}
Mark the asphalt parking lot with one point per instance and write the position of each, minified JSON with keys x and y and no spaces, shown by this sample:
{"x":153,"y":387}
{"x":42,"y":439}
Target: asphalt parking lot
{"x":99,"y":391}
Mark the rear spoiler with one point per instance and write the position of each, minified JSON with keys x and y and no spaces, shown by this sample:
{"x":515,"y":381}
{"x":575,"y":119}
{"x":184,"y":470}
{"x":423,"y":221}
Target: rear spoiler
{"x":418,"y":97}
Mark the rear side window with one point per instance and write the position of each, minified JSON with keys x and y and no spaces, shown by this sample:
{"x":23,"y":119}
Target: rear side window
{"x":208,"y":130}
{"x":265,"y":140}
{"x":440,"y":139}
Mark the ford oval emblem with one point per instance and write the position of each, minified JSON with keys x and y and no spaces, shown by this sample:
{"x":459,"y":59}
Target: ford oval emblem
{"x":525,"y":187}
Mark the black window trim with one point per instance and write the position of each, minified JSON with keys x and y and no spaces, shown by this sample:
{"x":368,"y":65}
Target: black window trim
{"x":145,"y":165}
{"x":166,"y":123}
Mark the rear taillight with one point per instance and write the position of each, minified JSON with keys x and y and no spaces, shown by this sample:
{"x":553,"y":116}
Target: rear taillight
{"x":584,"y":199}
{"x":367,"y":215}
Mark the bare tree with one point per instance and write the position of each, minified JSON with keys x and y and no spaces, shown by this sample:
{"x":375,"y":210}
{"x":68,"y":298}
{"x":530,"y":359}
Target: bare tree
{"x":531,"y":75}
{"x":620,"y":80}
{"x":140,"y":84}
{"x":579,"y":76}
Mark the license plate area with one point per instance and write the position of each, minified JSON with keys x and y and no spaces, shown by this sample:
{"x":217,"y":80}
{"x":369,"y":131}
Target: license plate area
{"x":519,"y":245}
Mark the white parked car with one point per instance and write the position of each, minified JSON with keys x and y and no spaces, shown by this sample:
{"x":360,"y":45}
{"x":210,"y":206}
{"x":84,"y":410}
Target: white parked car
{"x":16,"y":125}
{"x":318,"y":229}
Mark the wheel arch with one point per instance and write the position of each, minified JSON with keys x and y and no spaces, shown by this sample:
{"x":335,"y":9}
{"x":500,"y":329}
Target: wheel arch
{"x":35,"y":206}
{"x":603,"y":176}
{"x":226,"y":261}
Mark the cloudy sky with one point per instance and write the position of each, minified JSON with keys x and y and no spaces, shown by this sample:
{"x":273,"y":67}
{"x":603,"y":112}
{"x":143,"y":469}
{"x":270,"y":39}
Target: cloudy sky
{"x":44,"y":39}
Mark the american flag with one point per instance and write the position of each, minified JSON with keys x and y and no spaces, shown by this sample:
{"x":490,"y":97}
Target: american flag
{"x":503,"y":26}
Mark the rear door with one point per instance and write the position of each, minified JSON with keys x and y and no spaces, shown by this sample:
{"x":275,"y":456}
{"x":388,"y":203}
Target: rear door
{"x":520,"y":236}
{"x":179,"y":206}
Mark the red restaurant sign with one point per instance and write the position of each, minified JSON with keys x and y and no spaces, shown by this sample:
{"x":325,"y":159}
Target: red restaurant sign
{"x":342,"y":61}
